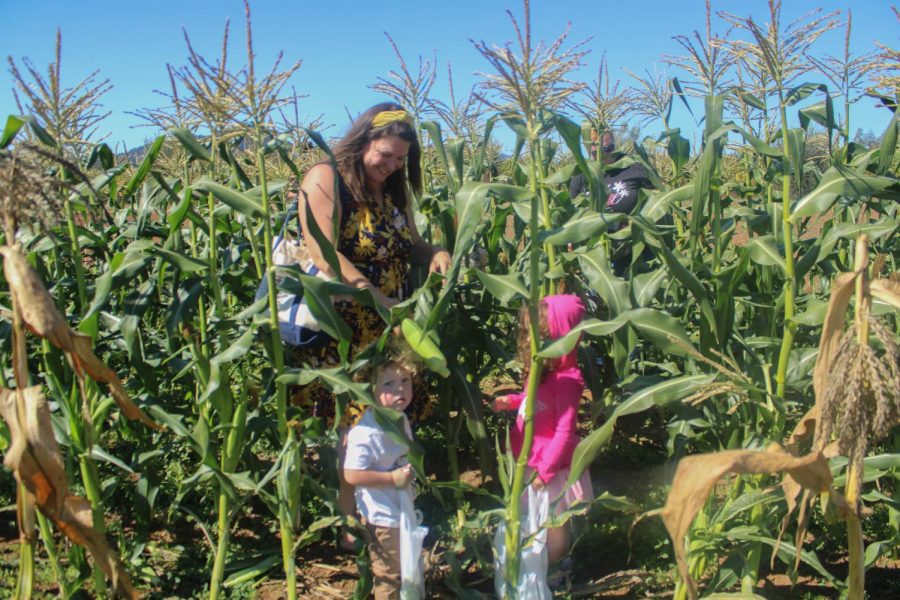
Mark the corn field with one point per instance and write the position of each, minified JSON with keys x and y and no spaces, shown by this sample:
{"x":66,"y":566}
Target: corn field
{"x":741,"y":346}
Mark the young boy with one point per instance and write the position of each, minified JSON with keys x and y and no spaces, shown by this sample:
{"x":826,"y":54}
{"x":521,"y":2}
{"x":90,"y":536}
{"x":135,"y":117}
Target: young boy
{"x":378,"y":467}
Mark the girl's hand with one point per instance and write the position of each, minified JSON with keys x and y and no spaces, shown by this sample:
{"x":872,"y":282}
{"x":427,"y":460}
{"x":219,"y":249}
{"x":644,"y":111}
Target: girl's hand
{"x":440,"y":261}
{"x":500,"y":403}
{"x":401,"y":476}
{"x":538,"y":484}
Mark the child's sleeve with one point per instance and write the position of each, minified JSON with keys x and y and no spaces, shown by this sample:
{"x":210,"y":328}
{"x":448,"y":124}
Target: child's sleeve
{"x":360,"y":455}
{"x":567,"y":394}
{"x":514,"y":400}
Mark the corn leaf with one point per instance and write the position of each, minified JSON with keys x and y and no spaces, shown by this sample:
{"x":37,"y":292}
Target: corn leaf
{"x":423,"y":345}
{"x":238,"y":201}
{"x":191,"y":144}
{"x":141,"y":173}
{"x":661,"y":394}
{"x":838,"y":181}
{"x":695,"y":477}
{"x":12,"y":127}
{"x":505,"y":288}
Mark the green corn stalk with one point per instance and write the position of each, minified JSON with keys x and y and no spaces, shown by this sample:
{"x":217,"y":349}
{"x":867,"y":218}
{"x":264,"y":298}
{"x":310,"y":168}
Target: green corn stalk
{"x":790,"y":326}
{"x":533,"y":81}
{"x":257,"y":98}
{"x":778,"y":52}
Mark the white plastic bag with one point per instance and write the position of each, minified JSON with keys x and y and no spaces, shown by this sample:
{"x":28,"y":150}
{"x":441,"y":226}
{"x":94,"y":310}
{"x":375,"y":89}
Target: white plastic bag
{"x":533,"y":563}
{"x":412,"y":534}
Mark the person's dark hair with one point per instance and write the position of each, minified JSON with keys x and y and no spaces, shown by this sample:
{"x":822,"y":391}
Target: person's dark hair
{"x":348,"y":153}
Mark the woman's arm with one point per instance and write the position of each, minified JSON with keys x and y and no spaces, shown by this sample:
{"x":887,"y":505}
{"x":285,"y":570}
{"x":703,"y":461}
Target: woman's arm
{"x":317,"y":189}
{"x":436,"y":257}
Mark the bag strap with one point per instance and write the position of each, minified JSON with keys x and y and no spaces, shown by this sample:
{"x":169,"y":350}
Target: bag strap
{"x":287,"y":219}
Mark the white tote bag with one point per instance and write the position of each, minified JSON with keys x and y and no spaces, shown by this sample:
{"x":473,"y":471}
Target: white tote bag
{"x":296,"y":323}
{"x":412,"y":535}
{"x":533,"y":563}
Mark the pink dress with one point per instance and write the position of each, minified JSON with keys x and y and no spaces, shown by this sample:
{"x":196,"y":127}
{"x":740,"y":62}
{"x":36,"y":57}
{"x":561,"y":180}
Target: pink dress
{"x":556,"y":412}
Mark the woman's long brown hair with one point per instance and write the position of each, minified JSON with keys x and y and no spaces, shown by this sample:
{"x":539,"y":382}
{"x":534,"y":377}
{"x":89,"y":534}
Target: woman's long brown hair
{"x":349,"y":151}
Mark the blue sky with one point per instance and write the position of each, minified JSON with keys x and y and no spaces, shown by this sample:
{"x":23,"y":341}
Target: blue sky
{"x":344,"y":49}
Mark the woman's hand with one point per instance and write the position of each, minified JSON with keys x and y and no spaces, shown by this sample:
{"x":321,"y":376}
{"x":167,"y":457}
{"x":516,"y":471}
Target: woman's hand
{"x":538,"y":484}
{"x":440,"y":261}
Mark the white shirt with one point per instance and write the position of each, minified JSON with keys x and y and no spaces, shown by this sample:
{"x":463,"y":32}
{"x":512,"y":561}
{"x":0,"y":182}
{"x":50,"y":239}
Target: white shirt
{"x":370,"y":448}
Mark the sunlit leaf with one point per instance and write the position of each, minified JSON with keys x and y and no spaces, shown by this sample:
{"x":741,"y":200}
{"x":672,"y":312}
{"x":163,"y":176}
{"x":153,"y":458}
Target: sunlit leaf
{"x":239,"y":201}
{"x":762,"y":251}
{"x":836,"y":182}
{"x":194,"y":148}
{"x":144,"y":169}
{"x":425,"y":347}
{"x":505,"y":288}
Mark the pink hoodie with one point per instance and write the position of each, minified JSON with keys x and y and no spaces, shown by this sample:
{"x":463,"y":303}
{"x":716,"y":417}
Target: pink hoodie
{"x":558,"y":396}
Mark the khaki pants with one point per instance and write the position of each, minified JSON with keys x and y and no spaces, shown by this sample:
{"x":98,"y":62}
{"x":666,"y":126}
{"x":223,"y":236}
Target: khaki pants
{"x":384,"y":552}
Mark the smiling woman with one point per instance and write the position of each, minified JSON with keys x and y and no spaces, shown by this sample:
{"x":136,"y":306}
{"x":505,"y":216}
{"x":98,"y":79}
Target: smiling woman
{"x":377,"y":165}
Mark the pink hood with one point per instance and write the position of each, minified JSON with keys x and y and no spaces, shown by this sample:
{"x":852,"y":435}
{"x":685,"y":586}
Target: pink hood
{"x":564,"y":311}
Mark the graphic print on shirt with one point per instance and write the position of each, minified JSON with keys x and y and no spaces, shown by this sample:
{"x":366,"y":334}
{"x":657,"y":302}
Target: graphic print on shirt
{"x":618,"y":191}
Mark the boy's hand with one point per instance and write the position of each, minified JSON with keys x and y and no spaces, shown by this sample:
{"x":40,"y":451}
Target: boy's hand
{"x":401,"y":476}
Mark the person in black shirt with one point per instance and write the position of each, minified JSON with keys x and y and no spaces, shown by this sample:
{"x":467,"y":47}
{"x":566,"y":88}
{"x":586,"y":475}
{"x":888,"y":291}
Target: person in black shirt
{"x":622,"y":185}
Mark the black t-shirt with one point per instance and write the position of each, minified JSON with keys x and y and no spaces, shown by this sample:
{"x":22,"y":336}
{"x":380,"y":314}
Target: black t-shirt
{"x":621,"y":187}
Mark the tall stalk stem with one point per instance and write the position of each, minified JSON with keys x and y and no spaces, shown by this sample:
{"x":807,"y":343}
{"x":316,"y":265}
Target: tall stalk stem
{"x":76,"y":256}
{"x":549,"y":249}
{"x":212,"y":250}
{"x":223,"y":532}
{"x":25,"y":578}
{"x":91,"y":479}
{"x":513,"y":507}
{"x":277,"y":349}
{"x":855,"y":542}
{"x":790,"y":327}
{"x":285,"y":519}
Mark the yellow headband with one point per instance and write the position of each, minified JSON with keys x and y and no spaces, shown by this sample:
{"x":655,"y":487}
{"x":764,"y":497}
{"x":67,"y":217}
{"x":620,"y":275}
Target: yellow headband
{"x":386,"y":117}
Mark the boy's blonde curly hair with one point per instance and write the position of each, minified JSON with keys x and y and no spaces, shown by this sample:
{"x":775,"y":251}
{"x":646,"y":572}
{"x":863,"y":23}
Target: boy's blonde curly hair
{"x":396,"y":352}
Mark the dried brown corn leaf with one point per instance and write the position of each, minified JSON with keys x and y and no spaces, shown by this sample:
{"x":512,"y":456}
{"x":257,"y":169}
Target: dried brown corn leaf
{"x":34,"y":457}
{"x":25,"y":516}
{"x":76,"y":522}
{"x":832,"y":329}
{"x":43,"y":448}
{"x":33,"y":300}
{"x":792,"y":488}
{"x":887,"y":291}
{"x":41,"y":316}
{"x":804,"y":430}
{"x":83,"y":358}
{"x":696,"y":476}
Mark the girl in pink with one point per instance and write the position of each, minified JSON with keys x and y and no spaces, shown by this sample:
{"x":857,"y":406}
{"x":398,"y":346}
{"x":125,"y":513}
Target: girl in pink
{"x":555,"y":415}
